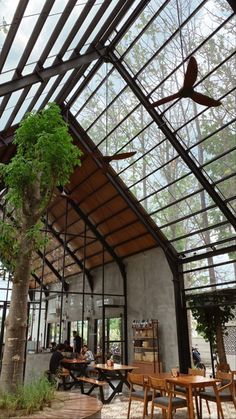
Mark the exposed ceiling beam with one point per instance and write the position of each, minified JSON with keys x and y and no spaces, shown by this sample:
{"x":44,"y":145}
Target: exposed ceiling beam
{"x":38,"y":280}
{"x":54,"y":70}
{"x":172,"y":138}
{"x":54,"y":270}
{"x":99,"y":236}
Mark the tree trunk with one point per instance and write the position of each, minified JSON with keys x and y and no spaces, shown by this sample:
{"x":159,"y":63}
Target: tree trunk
{"x":220,"y":343}
{"x":16,"y":323}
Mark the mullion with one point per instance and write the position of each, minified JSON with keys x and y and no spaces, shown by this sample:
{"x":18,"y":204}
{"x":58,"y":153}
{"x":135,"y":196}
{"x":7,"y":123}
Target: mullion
{"x":213,"y":265}
{"x":29,"y":47}
{"x":185,"y":236}
{"x":16,"y":21}
{"x":94,"y":22}
{"x":228,"y":240}
{"x":62,"y":20}
{"x":193,"y":214}
{"x":86,"y":10}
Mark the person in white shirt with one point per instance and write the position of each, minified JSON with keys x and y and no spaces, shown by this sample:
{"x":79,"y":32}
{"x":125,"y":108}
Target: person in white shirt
{"x":89,"y":357}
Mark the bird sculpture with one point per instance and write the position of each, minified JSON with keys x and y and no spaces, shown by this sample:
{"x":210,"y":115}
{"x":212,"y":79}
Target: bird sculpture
{"x":188,"y":91}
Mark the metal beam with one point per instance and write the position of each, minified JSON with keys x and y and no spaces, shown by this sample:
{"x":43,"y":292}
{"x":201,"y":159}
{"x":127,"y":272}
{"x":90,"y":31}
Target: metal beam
{"x":51,"y":267}
{"x":95,"y":22}
{"x":12,"y":31}
{"x":72,"y":255}
{"x":37,"y":279}
{"x":45,"y":74}
{"x":155,"y":232}
{"x":42,"y":17}
{"x":211,"y":253}
{"x":44,"y":55}
{"x":172,"y":138}
{"x":93,"y":228}
{"x":232,"y":4}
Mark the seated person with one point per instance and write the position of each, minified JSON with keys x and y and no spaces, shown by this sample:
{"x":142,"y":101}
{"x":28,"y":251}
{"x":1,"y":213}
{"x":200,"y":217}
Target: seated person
{"x":89,"y":357}
{"x":67,"y":347}
{"x":56,"y":359}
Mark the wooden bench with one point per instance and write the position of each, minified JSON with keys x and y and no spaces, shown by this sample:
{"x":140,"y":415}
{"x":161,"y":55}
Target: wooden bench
{"x":59,"y":379}
{"x":94,"y":384}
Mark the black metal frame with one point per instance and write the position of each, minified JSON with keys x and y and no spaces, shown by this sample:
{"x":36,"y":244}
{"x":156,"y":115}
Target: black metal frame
{"x":80,"y":63}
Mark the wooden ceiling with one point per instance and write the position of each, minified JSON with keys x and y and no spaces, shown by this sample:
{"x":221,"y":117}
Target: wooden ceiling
{"x":93,"y":221}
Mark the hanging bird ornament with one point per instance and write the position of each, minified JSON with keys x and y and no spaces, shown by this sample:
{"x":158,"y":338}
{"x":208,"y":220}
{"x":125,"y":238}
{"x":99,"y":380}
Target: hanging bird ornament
{"x":188,"y":91}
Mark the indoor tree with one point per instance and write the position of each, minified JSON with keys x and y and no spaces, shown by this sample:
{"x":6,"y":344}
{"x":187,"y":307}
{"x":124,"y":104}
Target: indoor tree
{"x":45,"y":159}
{"x":213,"y":311}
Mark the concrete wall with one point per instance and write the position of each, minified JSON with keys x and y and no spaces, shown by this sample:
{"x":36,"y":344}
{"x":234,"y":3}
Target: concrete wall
{"x":150,"y":294}
{"x":35,"y":366}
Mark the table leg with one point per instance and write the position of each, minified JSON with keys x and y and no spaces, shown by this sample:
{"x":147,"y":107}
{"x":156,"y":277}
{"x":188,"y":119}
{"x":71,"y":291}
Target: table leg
{"x":190,"y":403}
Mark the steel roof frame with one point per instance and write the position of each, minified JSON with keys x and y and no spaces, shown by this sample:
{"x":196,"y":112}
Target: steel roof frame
{"x":101,"y":239}
{"x":86,"y":142}
{"x":72,"y":255}
{"x":173,"y":139}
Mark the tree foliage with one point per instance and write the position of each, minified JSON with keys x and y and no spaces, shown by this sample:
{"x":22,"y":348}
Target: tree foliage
{"x":209,"y":311}
{"x":45,"y":156}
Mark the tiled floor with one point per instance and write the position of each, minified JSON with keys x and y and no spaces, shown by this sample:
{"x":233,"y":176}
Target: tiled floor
{"x":118,"y":408}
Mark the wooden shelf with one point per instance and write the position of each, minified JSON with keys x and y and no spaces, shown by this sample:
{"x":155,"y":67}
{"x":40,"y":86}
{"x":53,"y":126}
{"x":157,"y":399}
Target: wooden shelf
{"x":151,"y":365}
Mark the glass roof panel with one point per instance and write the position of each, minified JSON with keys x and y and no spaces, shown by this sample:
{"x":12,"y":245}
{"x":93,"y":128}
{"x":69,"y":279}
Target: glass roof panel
{"x":9,"y":109}
{"x":215,"y":145}
{"x":124,"y":104}
{"x":221,"y":167}
{"x":6,"y":76}
{"x":23,"y":109}
{"x":82,"y":29}
{"x":153,"y":8}
{"x":24,"y":31}
{"x":45,"y":34}
{"x":69,"y":24}
{"x":155,"y":50}
{"x":193,"y":241}
{"x":78,"y":84}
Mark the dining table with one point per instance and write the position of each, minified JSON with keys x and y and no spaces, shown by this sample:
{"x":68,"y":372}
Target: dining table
{"x":73,"y":365}
{"x":192,"y":383}
{"x":110,"y":374}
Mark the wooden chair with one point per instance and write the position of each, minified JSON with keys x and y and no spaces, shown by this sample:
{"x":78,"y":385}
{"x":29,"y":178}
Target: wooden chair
{"x":167,"y":401}
{"x":202,"y":373}
{"x":225,"y":392}
{"x":142,"y":394}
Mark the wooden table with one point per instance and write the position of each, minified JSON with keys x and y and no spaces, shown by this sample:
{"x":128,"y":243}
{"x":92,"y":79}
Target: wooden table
{"x":116,"y":372}
{"x":192,"y":383}
{"x":74,"y":364}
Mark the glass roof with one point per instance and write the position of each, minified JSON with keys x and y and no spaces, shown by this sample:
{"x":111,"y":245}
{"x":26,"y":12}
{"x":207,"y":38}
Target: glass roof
{"x":178,"y":143}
